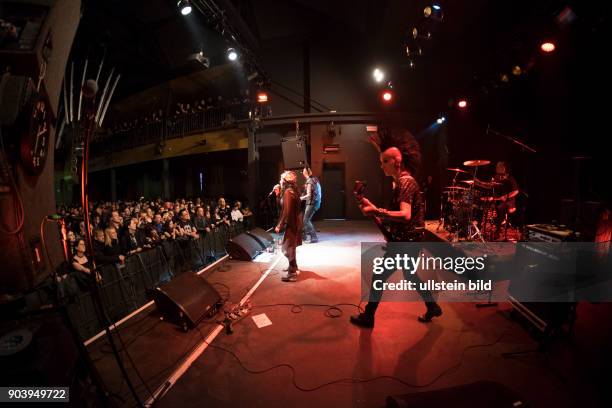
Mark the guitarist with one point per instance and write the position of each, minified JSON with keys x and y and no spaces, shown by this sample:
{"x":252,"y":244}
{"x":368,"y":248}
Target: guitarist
{"x":399,"y":157}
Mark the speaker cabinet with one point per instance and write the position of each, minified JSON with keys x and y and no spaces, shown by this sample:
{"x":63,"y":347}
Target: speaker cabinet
{"x":46,"y":30}
{"x":40,"y":347}
{"x":263,"y":237}
{"x":294,"y":152}
{"x":186,"y":300}
{"x":541,"y":289}
{"x":243,"y":247}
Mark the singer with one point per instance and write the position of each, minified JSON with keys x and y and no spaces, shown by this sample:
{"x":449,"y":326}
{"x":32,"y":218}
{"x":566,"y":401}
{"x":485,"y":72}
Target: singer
{"x":291,"y":221}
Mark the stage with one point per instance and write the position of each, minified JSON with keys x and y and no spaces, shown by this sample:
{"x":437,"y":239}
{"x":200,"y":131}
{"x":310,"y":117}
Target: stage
{"x":312,"y":349}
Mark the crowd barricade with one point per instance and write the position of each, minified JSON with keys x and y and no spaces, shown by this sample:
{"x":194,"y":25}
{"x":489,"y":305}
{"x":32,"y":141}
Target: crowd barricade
{"x":123,"y":288}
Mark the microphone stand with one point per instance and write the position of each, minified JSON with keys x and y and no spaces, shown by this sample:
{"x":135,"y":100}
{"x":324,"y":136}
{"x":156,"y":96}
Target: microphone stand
{"x":89,"y":125}
{"x":511,"y":139}
{"x":525,"y":148}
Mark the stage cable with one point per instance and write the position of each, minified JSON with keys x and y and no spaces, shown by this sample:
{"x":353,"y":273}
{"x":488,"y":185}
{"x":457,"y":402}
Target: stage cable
{"x":353,"y":380}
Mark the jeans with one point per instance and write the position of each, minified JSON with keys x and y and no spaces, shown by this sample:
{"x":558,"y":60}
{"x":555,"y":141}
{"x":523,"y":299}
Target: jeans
{"x":308,"y":227}
{"x":376,"y":295}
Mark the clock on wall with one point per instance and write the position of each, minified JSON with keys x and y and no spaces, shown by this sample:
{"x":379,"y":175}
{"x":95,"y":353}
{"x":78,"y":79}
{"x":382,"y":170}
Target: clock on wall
{"x":36,"y":137}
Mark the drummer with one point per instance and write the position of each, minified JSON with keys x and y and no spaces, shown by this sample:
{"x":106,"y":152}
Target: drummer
{"x":508,"y":188}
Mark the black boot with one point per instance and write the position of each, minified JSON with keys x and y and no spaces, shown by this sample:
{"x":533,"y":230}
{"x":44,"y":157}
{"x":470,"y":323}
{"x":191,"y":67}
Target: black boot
{"x":433,"y":310}
{"x":363,"y":320}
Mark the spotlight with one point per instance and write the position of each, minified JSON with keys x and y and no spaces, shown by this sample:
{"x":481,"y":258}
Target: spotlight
{"x":232,"y":55}
{"x":548,"y":46}
{"x":516,"y":70}
{"x":199,"y":59}
{"x":413,"y":49}
{"x":378,"y":75}
{"x":441,"y":120}
{"x":262,"y":97}
{"x":462,"y":103}
{"x":422,"y":34}
{"x":184,"y":6}
{"x":387,"y":96}
{"x":434,"y":12}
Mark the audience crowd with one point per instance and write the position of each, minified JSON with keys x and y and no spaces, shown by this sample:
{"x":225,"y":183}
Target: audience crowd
{"x":124,"y":228}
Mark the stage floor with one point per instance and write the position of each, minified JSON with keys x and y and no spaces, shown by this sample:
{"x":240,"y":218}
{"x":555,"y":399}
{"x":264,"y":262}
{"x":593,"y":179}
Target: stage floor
{"x":463,"y":346}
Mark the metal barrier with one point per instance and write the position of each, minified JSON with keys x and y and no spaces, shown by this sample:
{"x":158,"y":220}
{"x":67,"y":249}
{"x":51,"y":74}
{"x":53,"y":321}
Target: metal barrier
{"x":124,"y":286}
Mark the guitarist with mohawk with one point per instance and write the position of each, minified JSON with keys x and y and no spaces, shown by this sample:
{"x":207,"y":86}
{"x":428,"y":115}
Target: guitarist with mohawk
{"x":403,"y":221}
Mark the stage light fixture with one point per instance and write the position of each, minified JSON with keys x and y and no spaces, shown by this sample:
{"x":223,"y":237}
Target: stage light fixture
{"x":387,"y":96}
{"x":548,"y":46}
{"x":262,"y":97}
{"x":434,"y":12}
{"x":232,"y":55}
{"x":413,"y":49}
{"x":378,"y":75}
{"x":184,"y":6}
{"x":421,"y":34}
{"x":462,"y":103}
{"x":516,"y":70}
{"x":441,"y":120}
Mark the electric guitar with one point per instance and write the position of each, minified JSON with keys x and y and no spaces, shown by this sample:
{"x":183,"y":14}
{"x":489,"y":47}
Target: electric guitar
{"x":390,"y":235}
{"x":359,"y":192}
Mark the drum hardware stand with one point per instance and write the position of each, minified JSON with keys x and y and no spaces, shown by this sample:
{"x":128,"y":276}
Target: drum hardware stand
{"x":478,"y":234}
{"x":473,"y":223}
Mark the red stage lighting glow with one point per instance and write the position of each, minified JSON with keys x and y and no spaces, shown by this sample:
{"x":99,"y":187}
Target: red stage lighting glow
{"x":387,"y":96}
{"x":548,"y":47}
{"x":462,"y":104}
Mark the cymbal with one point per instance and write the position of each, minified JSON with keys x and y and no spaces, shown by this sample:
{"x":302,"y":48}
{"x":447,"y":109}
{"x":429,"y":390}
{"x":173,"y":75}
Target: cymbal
{"x":455,"y":188}
{"x":488,"y":184}
{"x":476,"y":163}
{"x":482,"y":184}
{"x":457,"y":170}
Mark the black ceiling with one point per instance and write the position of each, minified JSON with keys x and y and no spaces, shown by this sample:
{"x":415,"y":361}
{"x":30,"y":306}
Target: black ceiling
{"x":478,"y":41}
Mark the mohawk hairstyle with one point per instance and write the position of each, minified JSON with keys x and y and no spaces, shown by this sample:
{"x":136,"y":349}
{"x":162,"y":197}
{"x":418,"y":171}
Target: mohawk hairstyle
{"x":388,"y":137}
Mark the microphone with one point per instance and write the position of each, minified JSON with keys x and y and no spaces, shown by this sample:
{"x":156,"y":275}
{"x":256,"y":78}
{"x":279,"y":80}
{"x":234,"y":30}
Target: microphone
{"x":89,"y":89}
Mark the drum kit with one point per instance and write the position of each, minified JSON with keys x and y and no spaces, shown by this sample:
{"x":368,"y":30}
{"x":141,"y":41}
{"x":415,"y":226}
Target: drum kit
{"x":468,"y":207}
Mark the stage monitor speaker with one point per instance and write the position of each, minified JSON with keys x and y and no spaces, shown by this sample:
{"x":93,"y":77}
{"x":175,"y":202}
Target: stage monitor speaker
{"x":40,"y":347}
{"x":186,"y":300}
{"x":294,"y":152}
{"x":243,"y":247}
{"x":263,"y":237}
{"x":540,"y":288}
{"x":480,"y":394}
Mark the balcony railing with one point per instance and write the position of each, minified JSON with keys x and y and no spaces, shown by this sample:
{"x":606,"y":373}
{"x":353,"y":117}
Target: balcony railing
{"x":171,"y":128}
